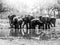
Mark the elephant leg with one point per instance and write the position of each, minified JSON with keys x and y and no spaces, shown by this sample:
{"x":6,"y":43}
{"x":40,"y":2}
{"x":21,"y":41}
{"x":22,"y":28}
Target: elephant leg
{"x":46,"y":26}
{"x":54,"y":22}
{"x":39,"y":27}
{"x":29,"y":25}
{"x":43,"y":26}
{"x":26,"y":25}
{"x":23,"y":24}
{"x":54,"y":25}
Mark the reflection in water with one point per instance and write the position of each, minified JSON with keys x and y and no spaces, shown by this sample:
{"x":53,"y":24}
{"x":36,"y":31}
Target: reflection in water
{"x":49,"y":33}
{"x":54,"y":32}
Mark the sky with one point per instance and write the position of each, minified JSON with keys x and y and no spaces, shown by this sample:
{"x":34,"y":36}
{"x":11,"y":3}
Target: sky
{"x":28,"y":5}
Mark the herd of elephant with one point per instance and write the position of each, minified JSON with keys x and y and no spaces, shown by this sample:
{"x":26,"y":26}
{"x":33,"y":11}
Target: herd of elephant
{"x":31,"y":23}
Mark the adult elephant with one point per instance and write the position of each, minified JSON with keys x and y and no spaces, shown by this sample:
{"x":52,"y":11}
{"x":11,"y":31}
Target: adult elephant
{"x":34,"y":23}
{"x":46,"y":22}
{"x":27,"y":21}
{"x":11,"y":20}
{"x":18,"y":21}
{"x":16,"y":26}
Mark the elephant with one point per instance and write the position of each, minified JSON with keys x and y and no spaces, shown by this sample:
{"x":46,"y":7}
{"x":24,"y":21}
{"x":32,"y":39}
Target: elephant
{"x":46,"y":22}
{"x":27,"y":21}
{"x":18,"y":24}
{"x":15,"y":23}
{"x":34,"y":23}
{"x":11,"y":20}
